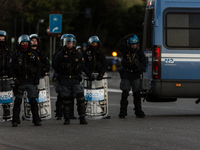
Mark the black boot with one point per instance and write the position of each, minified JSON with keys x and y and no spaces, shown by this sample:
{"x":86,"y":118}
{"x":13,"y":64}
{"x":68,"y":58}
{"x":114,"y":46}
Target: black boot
{"x":66,"y":109}
{"x":34,"y":111}
{"x":14,"y":124}
{"x":82,"y":120}
{"x":6,"y":111}
{"x":138,"y":108}
{"x":123,"y":105}
{"x":139,"y":114}
{"x":81,"y":107}
{"x":72,"y":109}
{"x":58,"y":110}
{"x":16,"y":112}
{"x":66,"y":122}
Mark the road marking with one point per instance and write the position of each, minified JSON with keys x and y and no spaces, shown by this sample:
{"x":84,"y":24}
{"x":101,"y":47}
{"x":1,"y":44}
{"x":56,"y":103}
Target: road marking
{"x":144,"y":106}
{"x":109,"y":90}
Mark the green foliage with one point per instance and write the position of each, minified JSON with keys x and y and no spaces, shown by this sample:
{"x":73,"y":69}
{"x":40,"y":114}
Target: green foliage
{"x":110,"y":19}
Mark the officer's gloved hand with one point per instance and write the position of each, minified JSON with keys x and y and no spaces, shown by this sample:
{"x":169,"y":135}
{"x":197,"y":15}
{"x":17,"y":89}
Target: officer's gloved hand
{"x":129,"y":35}
{"x":79,"y":78}
{"x":17,"y":82}
{"x":100,"y":76}
{"x":1,"y":73}
{"x":91,"y":78}
{"x":43,"y":72}
{"x":36,"y":81}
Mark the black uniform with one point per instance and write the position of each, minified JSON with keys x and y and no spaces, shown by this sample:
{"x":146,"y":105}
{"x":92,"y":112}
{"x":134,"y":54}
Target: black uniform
{"x":130,"y":76}
{"x":45,"y":65}
{"x":59,"y":99}
{"x":94,"y":62}
{"x":26,"y":69}
{"x":69,"y":65}
{"x":5,"y":57}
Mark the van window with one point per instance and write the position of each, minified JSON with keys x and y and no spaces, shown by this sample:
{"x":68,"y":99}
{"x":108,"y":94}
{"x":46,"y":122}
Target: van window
{"x":182,"y":30}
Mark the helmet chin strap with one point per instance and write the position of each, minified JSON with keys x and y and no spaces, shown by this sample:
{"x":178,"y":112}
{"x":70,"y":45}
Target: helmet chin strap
{"x":71,"y":49}
{"x":2,"y":43}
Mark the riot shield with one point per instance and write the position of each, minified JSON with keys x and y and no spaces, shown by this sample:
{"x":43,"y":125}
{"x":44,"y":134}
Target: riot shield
{"x":96,"y":97}
{"x":44,"y":101}
{"x":6,"y":99}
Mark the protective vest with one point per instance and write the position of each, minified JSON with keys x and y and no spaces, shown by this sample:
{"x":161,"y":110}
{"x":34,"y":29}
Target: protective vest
{"x":127,"y":61}
{"x":25,"y":64}
{"x":71,"y":63}
{"x":5,"y":56}
{"x":94,"y":61}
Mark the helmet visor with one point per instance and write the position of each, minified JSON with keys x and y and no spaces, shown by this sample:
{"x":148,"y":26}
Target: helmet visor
{"x":69,"y":41}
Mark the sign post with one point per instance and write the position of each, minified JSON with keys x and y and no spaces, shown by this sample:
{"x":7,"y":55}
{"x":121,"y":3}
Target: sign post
{"x":55,"y":29}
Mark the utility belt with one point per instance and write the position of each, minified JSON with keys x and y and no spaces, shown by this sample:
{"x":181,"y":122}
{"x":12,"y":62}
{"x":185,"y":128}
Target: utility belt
{"x":70,"y":76}
{"x":127,"y":70}
{"x":25,"y":76}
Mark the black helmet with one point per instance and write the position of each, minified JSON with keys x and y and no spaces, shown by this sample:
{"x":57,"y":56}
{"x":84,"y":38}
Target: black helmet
{"x":36,"y":37}
{"x":3,"y":33}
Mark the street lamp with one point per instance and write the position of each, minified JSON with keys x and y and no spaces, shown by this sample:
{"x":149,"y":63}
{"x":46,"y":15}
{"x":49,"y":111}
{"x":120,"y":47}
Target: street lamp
{"x":39,"y":21}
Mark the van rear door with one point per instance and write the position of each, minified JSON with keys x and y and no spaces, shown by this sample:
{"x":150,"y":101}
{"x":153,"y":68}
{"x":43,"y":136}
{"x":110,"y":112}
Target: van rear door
{"x":180,"y":57}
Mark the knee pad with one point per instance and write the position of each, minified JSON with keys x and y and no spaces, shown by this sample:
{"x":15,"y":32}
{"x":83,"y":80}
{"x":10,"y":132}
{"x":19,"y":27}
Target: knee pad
{"x":81,"y":99}
{"x":137,"y":95}
{"x":59,"y":98}
{"x":32,"y":101}
{"x":125,"y":95}
{"x":18,"y":102}
{"x":80,"y":95}
{"x":66,"y":101}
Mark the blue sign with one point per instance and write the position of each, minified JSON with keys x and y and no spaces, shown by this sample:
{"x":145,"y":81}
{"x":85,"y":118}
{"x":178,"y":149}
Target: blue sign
{"x":55,"y":23}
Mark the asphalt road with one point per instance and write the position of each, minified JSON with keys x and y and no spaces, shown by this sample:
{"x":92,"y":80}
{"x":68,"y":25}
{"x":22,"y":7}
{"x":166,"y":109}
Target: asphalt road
{"x":167,"y":126}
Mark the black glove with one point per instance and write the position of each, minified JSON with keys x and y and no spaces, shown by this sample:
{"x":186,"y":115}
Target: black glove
{"x":129,"y":35}
{"x":17,"y":82}
{"x":79,"y":78}
{"x":91,"y":78}
{"x":1,"y":73}
{"x":99,"y":77}
{"x":36,"y":81}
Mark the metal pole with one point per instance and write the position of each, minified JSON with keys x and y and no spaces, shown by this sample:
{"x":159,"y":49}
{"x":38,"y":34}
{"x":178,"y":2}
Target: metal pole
{"x":15,"y":34}
{"x":51,"y":49}
{"x":54,"y":45}
{"x":38,"y":27}
{"x":22,"y":26}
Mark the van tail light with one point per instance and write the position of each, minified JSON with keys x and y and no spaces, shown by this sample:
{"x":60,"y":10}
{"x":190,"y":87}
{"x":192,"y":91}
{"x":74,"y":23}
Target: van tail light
{"x":156,"y":62}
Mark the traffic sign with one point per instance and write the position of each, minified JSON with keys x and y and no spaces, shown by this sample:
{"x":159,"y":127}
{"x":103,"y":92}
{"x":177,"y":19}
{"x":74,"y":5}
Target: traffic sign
{"x":55,"y":23}
{"x":48,"y":30}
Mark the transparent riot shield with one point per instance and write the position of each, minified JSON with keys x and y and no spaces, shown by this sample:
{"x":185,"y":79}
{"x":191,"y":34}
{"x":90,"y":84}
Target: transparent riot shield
{"x":96,"y":96}
{"x":44,"y":101}
{"x":6,"y":99}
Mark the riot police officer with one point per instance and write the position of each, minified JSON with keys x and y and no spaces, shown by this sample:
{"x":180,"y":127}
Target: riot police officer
{"x":5,"y":56}
{"x":35,"y":42}
{"x":26,"y":71}
{"x":79,"y":49}
{"x":69,"y":64}
{"x":133,"y":64}
{"x":59,"y":99}
{"x":94,"y":59}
